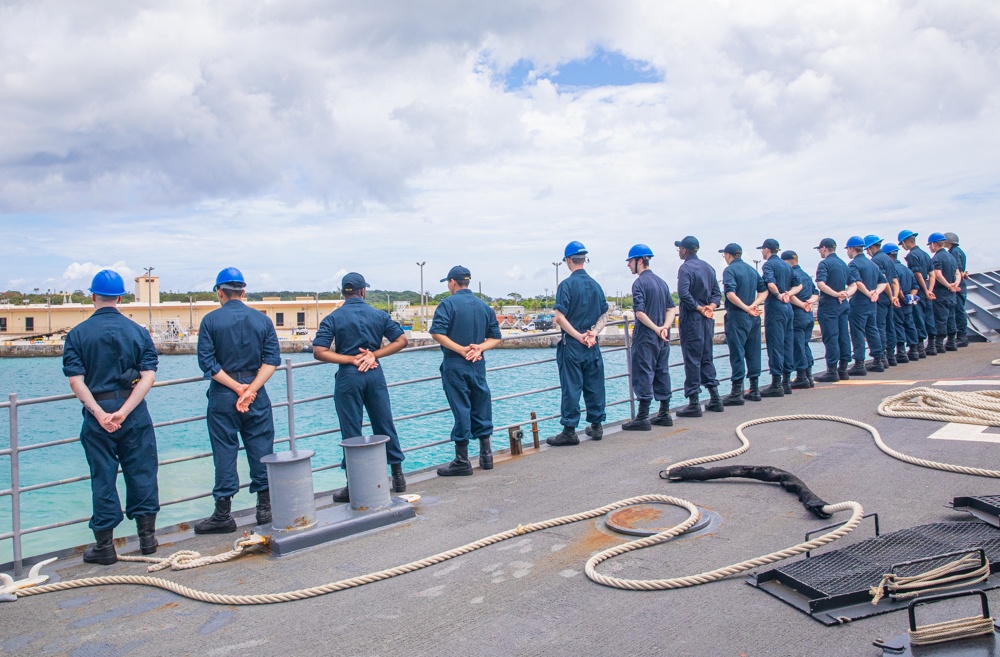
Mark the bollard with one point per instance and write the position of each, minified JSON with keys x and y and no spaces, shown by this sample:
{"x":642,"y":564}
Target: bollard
{"x":289,"y":475}
{"x":366,"y":474}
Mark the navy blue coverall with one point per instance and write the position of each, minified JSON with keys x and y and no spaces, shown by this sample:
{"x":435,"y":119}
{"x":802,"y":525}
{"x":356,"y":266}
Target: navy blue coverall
{"x":832,"y":313}
{"x":237,"y":340}
{"x":944,"y":303}
{"x":779,"y":326}
{"x":919,"y":262}
{"x":353,"y":326}
{"x":863,"y":310}
{"x":696,"y":286}
{"x":742,"y":330}
{"x":883,"y":311}
{"x":650,"y":354}
{"x":961,"y":319}
{"x":466,"y":319}
{"x":906,"y":330}
{"x":109,"y":351}
{"x":581,"y":369}
{"x":802,"y":321}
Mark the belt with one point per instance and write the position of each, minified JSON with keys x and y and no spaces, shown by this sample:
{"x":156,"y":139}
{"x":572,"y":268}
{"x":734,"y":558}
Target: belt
{"x":249,"y":373}
{"x":114,"y":394}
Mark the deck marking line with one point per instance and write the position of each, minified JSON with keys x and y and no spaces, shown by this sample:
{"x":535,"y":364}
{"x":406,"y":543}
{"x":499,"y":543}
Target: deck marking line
{"x":968,"y":432}
{"x":967,"y":382}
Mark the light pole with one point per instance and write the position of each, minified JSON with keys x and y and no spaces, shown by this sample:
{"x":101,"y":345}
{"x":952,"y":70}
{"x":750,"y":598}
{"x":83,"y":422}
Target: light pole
{"x":190,"y":314}
{"x":421,"y":265}
{"x":149,"y":293}
{"x":317,"y":311}
{"x":557,"y":272}
{"x":546,"y":298}
{"x":48,"y":305}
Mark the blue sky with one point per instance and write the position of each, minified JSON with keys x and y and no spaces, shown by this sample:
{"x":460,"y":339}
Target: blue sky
{"x":300,"y":141}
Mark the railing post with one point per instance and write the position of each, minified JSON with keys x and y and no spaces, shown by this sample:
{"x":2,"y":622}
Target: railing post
{"x":534,"y":429}
{"x":291,"y":403}
{"x":628,"y":368}
{"x":15,"y":488}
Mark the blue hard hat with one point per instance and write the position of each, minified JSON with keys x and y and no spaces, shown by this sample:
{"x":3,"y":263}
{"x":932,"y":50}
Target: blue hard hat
{"x":890,"y":248}
{"x":936,"y":237}
{"x":229,"y":275}
{"x":905,"y":235}
{"x":855,"y":242}
{"x":639,"y":251}
{"x":574,"y":248}
{"x":107,"y":283}
{"x":872,"y":240}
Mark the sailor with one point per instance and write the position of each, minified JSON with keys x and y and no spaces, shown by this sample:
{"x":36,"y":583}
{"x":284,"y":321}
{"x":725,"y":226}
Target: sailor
{"x":961,"y":318}
{"x":111,"y":365}
{"x":654,"y":315}
{"x":888,"y":300}
{"x":833,"y":278}
{"x":803,"y":321}
{"x":351,"y":336}
{"x":465,"y":327}
{"x":779,"y":329}
{"x":581,"y":310}
{"x":906,"y":330}
{"x":698,"y":291}
{"x":238,"y":350}
{"x":870,"y":284}
{"x":745,"y":291}
{"x":945,"y":284}
{"x":923,"y":314}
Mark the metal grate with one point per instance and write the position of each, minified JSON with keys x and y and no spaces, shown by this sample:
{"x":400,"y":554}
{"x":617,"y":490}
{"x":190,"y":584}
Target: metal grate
{"x":834,"y":586}
{"x":985,"y":507}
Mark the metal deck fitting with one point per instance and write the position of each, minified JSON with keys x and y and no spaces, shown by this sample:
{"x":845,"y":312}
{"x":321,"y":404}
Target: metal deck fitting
{"x":904,"y":645}
{"x":834,"y":587}
{"x":653,"y":518}
{"x":986,"y":507}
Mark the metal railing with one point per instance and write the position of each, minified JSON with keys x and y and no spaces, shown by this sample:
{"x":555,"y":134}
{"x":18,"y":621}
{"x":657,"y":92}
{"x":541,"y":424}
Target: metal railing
{"x":14,"y":450}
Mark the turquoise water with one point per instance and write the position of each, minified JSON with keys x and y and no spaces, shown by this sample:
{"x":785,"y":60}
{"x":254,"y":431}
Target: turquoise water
{"x":38,"y":377}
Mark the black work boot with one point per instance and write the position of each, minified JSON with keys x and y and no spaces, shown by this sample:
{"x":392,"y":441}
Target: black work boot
{"x":775,"y":389}
{"x":263,"y":507}
{"x":399,"y":481}
{"x":939,"y":344}
{"x":641,"y":420}
{"x":714,"y":401}
{"x":221,"y":521}
{"x":786,"y":383}
{"x":753,"y":394}
{"x":485,"y":453}
{"x":566,"y":438}
{"x":829,"y":376}
{"x":809,"y":375}
{"x":801,"y":381}
{"x":693,"y":409}
{"x":662,"y":418}
{"x":931,"y":349}
{"x":460,"y":467}
{"x":342,"y":495}
{"x":876,"y":365}
{"x":962,"y":340}
{"x":921,"y":349}
{"x":595,"y":431}
{"x":950,"y":345}
{"x":146,"y":528}
{"x":913,"y":354}
{"x":889,"y":360}
{"x":858,"y":369}
{"x":901,"y":357}
{"x":103,"y":551}
{"x":735,"y":396}
{"x":842,"y":370}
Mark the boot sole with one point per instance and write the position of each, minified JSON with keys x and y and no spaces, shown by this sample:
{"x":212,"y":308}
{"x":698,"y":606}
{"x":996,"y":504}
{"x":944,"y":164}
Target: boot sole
{"x":641,"y":427}
{"x":101,"y":562}
{"x":217,"y":530}
{"x":726,"y":402}
{"x":451,"y":473}
{"x":148,"y":550}
{"x":663,"y":423}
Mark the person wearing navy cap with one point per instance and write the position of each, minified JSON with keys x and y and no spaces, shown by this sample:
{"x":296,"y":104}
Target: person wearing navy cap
{"x":654,"y":315}
{"x":111,"y":365}
{"x":351,"y":337}
{"x":960,"y":316}
{"x":945,"y":285}
{"x":779,"y":327}
{"x":465,"y":327}
{"x":886,"y":301}
{"x":238,"y":350}
{"x":923,"y":314}
{"x":744,"y":290}
{"x":581,"y":310}
{"x":802,"y":321}
{"x":699,"y":294}
{"x":906,"y":330}
{"x":836,"y":286}
{"x":870,"y":284}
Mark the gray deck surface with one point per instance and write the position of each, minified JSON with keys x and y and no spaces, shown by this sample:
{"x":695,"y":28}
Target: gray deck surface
{"x":529,"y":595}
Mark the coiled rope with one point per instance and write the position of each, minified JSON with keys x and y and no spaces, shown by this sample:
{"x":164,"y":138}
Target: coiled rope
{"x":951,"y":630}
{"x":952,"y":575}
{"x":630,"y":584}
{"x":187,"y":559}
